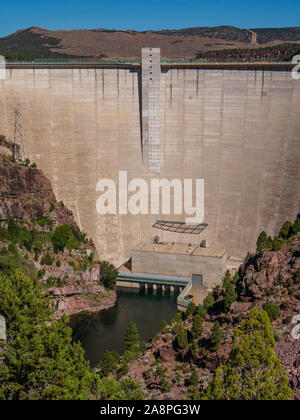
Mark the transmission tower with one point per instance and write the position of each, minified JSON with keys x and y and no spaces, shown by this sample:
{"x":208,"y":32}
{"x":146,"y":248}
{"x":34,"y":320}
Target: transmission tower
{"x":18,"y":135}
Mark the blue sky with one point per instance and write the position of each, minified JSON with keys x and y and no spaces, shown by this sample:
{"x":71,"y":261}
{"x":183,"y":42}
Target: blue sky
{"x":146,"y":14}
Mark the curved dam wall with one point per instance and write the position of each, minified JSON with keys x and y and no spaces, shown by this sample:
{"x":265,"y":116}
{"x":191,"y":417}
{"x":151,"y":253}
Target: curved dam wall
{"x":238,"y":129}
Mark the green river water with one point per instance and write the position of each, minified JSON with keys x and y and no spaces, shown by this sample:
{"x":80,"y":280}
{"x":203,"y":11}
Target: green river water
{"x":105,"y":330}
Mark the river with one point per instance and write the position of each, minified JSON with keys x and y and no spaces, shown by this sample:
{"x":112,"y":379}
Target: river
{"x":105,"y":330}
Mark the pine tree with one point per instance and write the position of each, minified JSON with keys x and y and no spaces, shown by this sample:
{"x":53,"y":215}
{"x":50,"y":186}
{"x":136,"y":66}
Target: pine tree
{"x":208,"y":301}
{"x":286,"y":230}
{"x":163,"y":325}
{"x":197,"y":327}
{"x":194,"y":378}
{"x":253,"y":372}
{"x":262,"y":242}
{"x":132,"y":337}
{"x":40,"y":361}
{"x":216,"y":336}
{"x":191,"y":309}
{"x":109,"y":362}
{"x":230,"y":296}
{"x":296,"y":226}
{"x":182,"y":339}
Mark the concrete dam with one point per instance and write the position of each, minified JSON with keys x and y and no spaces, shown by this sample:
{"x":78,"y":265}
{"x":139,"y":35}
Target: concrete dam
{"x":237,"y":127}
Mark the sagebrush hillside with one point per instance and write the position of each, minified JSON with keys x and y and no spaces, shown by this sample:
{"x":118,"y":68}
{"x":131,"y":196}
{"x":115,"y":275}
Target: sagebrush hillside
{"x":34,"y":42}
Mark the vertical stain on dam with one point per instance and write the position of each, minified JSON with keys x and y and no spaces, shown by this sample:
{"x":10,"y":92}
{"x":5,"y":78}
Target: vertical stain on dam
{"x":210,"y":122}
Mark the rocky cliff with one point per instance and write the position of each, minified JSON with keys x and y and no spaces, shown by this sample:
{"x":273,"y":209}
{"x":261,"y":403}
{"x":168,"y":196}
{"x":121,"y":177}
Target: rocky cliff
{"x":30,"y":219}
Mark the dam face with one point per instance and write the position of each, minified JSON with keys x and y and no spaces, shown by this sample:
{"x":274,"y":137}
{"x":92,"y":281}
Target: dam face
{"x":238,"y":129}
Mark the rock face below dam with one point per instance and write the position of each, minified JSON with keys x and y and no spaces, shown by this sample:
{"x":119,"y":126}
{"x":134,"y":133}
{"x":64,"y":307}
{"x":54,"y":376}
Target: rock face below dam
{"x":238,"y":129}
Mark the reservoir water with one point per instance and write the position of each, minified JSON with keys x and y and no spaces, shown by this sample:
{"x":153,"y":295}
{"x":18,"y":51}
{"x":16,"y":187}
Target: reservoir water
{"x":105,"y":330}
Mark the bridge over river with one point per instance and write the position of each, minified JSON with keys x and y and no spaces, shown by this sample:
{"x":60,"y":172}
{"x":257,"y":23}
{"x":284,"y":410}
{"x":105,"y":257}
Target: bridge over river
{"x":179,"y":284}
{"x":150,"y":280}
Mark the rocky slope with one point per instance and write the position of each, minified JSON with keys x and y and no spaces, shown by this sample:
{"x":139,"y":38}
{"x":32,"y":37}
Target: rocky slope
{"x":112,"y":44}
{"x":29,"y":217}
{"x":269,"y":277}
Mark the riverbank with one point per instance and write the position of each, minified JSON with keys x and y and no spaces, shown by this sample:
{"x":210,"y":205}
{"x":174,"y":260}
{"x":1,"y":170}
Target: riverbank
{"x":84,"y":300}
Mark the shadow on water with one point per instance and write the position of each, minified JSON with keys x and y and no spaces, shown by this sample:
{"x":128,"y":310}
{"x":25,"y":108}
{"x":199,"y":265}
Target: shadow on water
{"x":106,"y":330}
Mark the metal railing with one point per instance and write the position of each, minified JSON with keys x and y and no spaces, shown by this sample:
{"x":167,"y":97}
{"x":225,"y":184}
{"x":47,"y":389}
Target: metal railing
{"x":153,"y":279}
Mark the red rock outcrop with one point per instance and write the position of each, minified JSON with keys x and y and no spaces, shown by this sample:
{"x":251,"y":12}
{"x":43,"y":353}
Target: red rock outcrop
{"x":26,"y":195}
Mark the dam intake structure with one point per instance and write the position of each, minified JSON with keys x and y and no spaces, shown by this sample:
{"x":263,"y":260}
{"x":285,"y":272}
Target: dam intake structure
{"x":234,"y":125}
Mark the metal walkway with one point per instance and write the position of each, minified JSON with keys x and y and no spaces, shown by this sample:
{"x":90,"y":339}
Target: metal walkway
{"x":142,"y":278}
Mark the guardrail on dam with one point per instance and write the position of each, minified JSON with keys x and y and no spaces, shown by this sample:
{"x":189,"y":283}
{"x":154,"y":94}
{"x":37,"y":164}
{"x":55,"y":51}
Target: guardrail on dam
{"x":235,"y":125}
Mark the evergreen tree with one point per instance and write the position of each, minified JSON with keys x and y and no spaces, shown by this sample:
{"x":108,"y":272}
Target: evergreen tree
{"x":216,"y":336}
{"x":132,"y":337}
{"x":286,"y":230}
{"x":143,"y":347}
{"x":194,"y":395}
{"x":227,"y":279}
{"x":253,"y":372}
{"x":163,"y":325}
{"x":109,"y":362}
{"x":296,"y":226}
{"x":109,"y":274}
{"x":191,"y":309}
{"x":201,"y":311}
{"x":209,"y":301}
{"x":247,"y":258}
{"x":40,"y":361}
{"x":230,"y":296}
{"x":182,"y":339}
{"x":197,"y":327}
{"x":194,"y":378}
{"x":263,"y":242}
{"x":277,"y":244}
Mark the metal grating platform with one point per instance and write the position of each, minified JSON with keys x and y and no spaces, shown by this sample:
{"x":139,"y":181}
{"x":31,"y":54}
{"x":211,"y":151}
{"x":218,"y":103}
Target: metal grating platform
{"x":179,"y":227}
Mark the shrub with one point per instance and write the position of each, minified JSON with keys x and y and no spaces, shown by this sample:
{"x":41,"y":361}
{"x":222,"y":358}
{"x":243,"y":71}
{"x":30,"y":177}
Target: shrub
{"x":44,"y":221}
{"x":47,"y":259}
{"x":272,"y":310}
{"x":50,"y":281}
{"x":60,"y":237}
{"x":58,"y":263}
{"x":163,"y":325}
{"x":41,"y":272}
